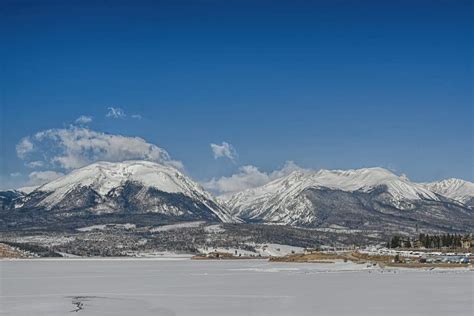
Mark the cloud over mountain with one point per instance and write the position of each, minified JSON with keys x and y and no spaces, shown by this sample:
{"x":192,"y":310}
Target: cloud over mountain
{"x":75,"y":147}
{"x":41,"y":177}
{"x":248,"y":177}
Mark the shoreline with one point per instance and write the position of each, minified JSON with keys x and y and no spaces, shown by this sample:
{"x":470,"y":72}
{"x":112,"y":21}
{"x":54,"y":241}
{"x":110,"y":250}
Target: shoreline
{"x":329,"y":264}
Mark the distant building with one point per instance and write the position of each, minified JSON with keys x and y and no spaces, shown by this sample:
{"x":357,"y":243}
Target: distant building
{"x":418,"y":244}
{"x":308,"y":251}
{"x":466,"y":243}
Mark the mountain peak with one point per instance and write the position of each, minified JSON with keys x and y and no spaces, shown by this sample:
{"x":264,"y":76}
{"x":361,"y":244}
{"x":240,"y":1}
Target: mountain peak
{"x":366,"y":179}
{"x":456,"y":189}
{"x":105,"y":178}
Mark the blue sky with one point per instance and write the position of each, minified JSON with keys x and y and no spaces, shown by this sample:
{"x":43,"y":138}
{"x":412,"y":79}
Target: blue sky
{"x":325,"y":84}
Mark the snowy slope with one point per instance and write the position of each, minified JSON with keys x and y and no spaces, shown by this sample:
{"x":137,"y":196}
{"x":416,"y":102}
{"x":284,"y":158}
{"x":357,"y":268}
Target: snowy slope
{"x":8,"y":198}
{"x":105,"y":177}
{"x":284,"y":191}
{"x":456,"y":189}
{"x":28,"y":189}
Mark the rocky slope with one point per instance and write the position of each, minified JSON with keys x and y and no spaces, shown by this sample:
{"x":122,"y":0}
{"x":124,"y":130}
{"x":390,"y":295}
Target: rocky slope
{"x":8,"y":199}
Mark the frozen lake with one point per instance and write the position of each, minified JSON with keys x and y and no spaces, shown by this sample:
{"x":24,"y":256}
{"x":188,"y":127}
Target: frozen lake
{"x":255,"y":287}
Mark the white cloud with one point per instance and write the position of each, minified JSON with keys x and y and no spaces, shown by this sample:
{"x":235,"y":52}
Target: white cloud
{"x":24,"y":147}
{"x":35,"y":164}
{"x":116,"y":113}
{"x":224,"y":150}
{"x":42,"y":177}
{"x":248,"y":177}
{"x":136,"y":116}
{"x":75,"y":147}
{"x":83,"y":119}
{"x":15,"y":174}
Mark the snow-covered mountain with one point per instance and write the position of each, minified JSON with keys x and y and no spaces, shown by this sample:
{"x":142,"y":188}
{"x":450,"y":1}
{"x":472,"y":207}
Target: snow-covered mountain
{"x":27,"y":189}
{"x":123,"y":188}
{"x":148,"y":193}
{"x":8,"y":198}
{"x":456,"y":189}
{"x":108,"y":177}
{"x":364,"y":180}
{"x":368,"y":197}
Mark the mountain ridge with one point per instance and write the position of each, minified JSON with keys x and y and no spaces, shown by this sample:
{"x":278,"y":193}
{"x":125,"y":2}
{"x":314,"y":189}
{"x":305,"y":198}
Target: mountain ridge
{"x":456,"y":189}
{"x":366,"y":198}
{"x":314,"y":198}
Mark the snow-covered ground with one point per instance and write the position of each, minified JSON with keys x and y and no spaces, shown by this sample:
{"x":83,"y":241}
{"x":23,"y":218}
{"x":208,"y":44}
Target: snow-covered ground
{"x":214,"y":229}
{"x":374,"y":251}
{"x":44,"y":240}
{"x":277,"y":250}
{"x":264,"y":250}
{"x":234,"y":251}
{"x":164,"y":255}
{"x":233,"y":287}
{"x":102,"y":227}
{"x":165,"y":228}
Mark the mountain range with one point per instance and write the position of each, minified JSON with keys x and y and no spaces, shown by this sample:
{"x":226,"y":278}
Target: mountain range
{"x":369,"y":198}
{"x":147,"y":193}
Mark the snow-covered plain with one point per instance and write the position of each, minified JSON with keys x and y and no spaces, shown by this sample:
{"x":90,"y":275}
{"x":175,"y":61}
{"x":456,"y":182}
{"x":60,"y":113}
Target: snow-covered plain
{"x":103,"y":227}
{"x":165,"y":228}
{"x":234,"y":287}
{"x":264,"y":250}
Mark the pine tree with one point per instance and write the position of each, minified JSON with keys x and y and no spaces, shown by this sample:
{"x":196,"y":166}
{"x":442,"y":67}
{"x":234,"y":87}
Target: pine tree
{"x":408,"y":243}
{"x":395,"y":242}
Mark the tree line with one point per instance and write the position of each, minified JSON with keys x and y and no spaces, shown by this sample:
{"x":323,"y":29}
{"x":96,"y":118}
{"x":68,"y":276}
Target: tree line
{"x":428,"y":241}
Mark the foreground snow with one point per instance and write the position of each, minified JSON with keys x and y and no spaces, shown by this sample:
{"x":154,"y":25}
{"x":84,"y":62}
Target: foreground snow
{"x":263,"y":250}
{"x":235,"y":287}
